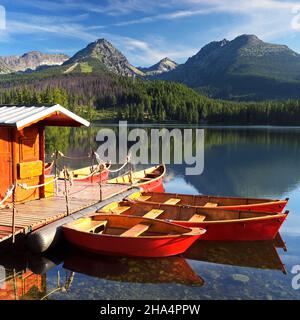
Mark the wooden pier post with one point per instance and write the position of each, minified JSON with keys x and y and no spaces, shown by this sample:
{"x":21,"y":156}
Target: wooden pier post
{"x":14,"y":211}
{"x":55,"y":171}
{"x":92,"y":163}
{"x":66,"y":190}
{"x":100,"y":182}
{"x":130,"y":173}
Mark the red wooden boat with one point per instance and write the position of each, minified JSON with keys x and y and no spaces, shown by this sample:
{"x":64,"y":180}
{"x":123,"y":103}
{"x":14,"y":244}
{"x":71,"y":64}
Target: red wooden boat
{"x":86,"y":174}
{"x":228,"y":203}
{"x":48,"y":168}
{"x":221,"y":225}
{"x":130,"y":236}
{"x":150,"y":179}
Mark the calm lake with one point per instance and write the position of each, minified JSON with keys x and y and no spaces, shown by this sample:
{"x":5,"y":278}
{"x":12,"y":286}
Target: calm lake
{"x":247,"y":162}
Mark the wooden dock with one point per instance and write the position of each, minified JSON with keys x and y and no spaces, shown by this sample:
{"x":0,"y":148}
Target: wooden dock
{"x":37,"y":213}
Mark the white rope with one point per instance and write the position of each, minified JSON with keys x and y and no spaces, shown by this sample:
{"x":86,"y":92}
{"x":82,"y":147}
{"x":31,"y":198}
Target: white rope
{"x":100,"y":161}
{"x":8,"y":194}
{"x":26,"y":187}
{"x":73,"y":158}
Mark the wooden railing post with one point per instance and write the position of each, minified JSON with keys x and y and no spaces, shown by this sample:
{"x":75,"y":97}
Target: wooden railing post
{"x":66,"y":190}
{"x":100,"y":183}
{"x":55,"y":171}
{"x":14,"y":211}
{"x":130,"y":172}
{"x":92,"y":164}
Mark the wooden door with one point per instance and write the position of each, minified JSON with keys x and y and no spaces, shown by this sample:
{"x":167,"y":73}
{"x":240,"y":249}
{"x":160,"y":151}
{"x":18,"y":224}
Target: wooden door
{"x":5,"y":161}
{"x":28,"y":153}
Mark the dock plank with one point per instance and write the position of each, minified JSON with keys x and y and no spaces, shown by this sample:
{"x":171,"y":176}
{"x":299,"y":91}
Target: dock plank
{"x":35,"y":214}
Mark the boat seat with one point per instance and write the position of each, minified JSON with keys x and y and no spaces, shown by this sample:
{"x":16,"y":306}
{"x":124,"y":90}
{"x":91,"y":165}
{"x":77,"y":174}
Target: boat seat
{"x":154,"y":213}
{"x":211,"y":205}
{"x":93,"y":225}
{"x":135,"y":231}
{"x":197,"y":218}
{"x":144,"y":198}
{"x":172,"y":201}
{"x":119,"y":210}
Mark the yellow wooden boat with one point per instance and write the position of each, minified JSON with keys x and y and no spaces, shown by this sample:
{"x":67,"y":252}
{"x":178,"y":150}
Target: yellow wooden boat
{"x":86,"y":174}
{"x":150,"y":179}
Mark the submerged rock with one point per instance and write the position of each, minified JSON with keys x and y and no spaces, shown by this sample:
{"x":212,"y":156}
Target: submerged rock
{"x":240,"y":277}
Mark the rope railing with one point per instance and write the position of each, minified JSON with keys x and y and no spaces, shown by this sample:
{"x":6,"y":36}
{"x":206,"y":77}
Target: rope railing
{"x":26,"y":187}
{"x":71,"y":158}
{"x":101,"y":167}
{"x":100,"y":161}
{"x":8,"y":194}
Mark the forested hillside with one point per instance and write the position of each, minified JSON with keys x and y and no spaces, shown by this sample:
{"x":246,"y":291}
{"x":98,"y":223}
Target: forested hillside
{"x":139,"y":100}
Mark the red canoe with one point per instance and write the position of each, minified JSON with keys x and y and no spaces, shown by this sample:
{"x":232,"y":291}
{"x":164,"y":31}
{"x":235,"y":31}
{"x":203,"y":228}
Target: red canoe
{"x":86,"y":174}
{"x":228,"y":203}
{"x":48,"y":168}
{"x":221,"y":225}
{"x":130,"y":236}
{"x":150,"y":179}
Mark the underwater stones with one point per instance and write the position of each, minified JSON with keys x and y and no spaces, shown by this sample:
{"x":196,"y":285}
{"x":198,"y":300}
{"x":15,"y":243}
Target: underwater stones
{"x":240,"y":277}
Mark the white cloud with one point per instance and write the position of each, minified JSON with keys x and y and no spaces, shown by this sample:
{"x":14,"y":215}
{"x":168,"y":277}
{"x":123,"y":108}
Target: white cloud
{"x":62,"y":26}
{"x":269,"y":19}
{"x":165,"y":16}
{"x":69,"y":30}
{"x":139,"y":52}
{"x":150,"y":51}
{"x":112,"y":7}
{"x":266,"y":18}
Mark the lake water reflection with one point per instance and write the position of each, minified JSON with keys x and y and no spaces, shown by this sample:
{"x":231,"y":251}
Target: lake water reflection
{"x":253,"y":162}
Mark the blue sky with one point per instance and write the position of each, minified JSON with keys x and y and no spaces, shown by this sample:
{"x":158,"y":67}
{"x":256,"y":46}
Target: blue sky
{"x":144,"y":30}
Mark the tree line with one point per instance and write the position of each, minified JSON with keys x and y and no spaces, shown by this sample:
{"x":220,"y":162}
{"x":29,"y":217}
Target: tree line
{"x":144,"y":101}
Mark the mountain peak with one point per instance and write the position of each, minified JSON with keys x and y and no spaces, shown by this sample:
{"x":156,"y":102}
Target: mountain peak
{"x":32,"y":53}
{"x":234,"y":64}
{"x":164,"y":65}
{"x":32,"y":60}
{"x":165,"y":59}
{"x":248,"y":37}
{"x":103,"y":40}
{"x":101,"y":54}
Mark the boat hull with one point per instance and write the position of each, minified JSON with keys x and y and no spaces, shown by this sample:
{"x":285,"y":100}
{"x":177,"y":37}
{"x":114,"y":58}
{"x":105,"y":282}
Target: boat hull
{"x":48,"y":168}
{"x":153,"y":186}
{"x":154,"y":179}
{"x":130,"y":247}
{"x":96,"y":178}
{"x":242,"y":230}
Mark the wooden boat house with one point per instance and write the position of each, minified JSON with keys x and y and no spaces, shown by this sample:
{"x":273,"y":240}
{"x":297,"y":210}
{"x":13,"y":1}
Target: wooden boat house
{"x":22,"y":145}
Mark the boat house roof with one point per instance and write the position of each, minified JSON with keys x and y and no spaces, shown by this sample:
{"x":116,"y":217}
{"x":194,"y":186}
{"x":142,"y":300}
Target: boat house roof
{"x":48,"y":115}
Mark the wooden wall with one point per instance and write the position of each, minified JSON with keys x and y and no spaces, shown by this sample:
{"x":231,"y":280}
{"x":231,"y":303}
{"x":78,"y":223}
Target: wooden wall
{"x":22,"y":158}
{"x":5,"y":160}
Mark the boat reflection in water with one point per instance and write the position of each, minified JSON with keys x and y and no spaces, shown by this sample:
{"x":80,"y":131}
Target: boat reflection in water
{"x":254,"y":254}
{"x":27,"y":276}
{"x":133,"y":270}
{"x":260,"y":255}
